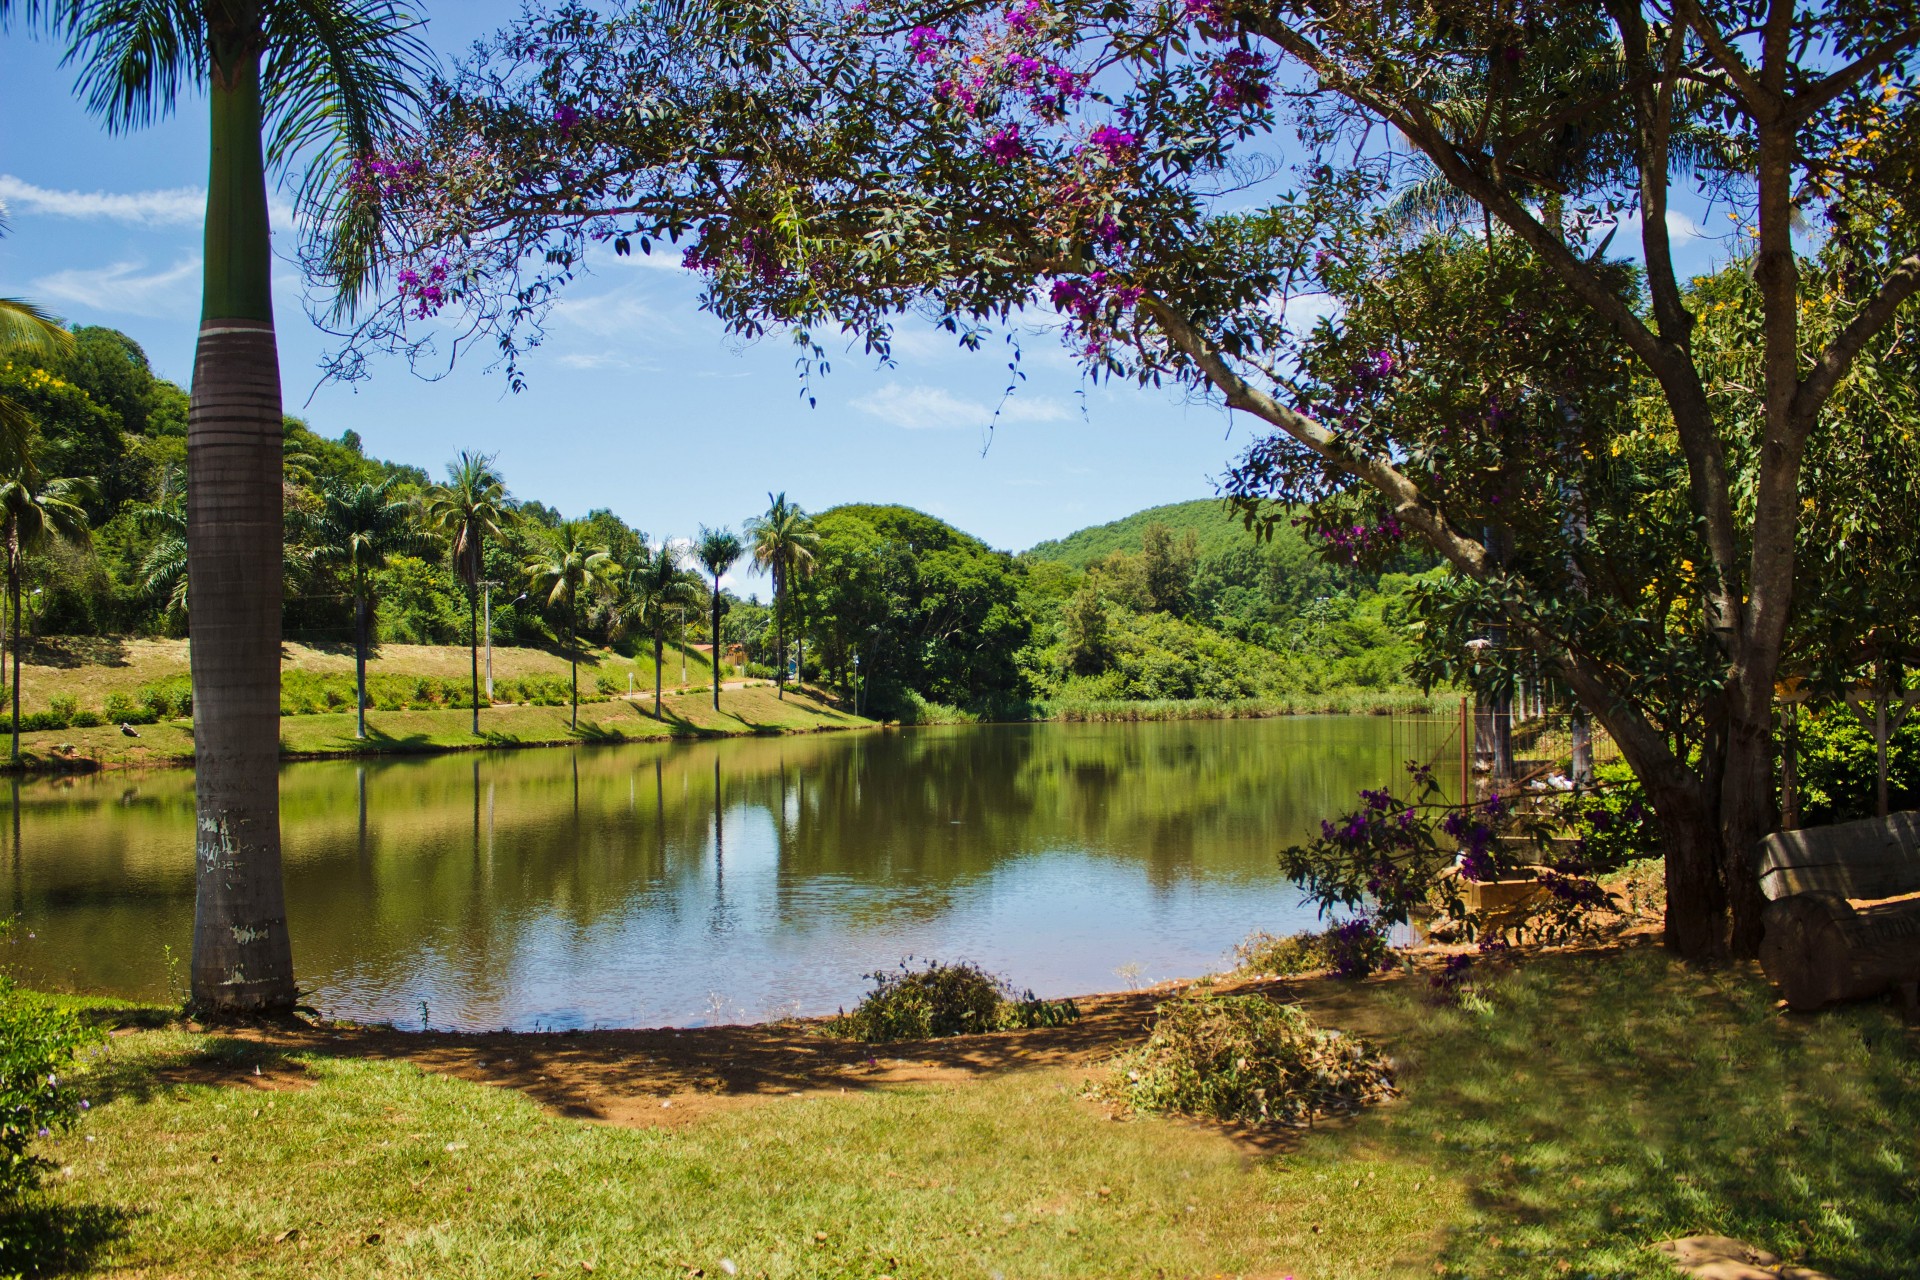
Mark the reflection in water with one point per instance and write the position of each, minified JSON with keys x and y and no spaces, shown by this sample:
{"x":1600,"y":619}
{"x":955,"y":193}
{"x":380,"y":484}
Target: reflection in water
{"x":753,"y":876}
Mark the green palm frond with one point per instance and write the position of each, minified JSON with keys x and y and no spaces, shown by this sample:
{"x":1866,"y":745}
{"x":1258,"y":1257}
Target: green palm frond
{"x":28,"y":328}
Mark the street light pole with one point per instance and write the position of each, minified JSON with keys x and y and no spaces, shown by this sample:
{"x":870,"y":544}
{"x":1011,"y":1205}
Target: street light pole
{"x":486,"y":609}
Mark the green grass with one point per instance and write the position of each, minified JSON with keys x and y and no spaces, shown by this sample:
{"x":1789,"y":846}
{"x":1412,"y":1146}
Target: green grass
{"x":1563,"y":1120}
{"x":752,"y":710}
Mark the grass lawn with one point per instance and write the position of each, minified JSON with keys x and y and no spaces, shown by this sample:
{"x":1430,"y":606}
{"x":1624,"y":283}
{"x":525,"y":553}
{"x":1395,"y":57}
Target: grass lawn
{"x":755,"y":709}
{"x":1567,"y":1116}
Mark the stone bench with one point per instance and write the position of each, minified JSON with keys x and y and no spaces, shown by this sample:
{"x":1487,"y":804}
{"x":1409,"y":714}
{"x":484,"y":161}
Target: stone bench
{"x":1843,"y":912}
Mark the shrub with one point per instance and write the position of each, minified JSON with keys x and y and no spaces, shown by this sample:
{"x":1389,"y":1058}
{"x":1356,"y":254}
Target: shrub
{"x":85,"y":720}
{"x":605,"y":683}
{"x":168,"y":699}
{"x":41,"y":720}
{"x":120,"y":707}
{"x":63,"y":706}
{"x":1263,"y":953}
{"x":37,"y":1044}
{"x":1246,"y":1059}
{"x":944,"y":1000}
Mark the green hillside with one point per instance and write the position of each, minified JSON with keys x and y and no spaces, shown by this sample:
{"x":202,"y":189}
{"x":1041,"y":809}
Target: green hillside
{"x":1213,"y":526}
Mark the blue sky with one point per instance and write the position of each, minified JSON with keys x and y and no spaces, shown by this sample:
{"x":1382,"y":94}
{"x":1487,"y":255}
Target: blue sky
{"x":635,"y":391}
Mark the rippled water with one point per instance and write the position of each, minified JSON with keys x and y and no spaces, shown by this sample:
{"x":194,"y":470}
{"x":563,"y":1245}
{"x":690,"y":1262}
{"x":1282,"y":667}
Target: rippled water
{"x":716,"y":881}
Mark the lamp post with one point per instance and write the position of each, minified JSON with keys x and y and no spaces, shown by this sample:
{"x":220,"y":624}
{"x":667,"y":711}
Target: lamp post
{"x":856,"y":682}
{"x":486,"y":609}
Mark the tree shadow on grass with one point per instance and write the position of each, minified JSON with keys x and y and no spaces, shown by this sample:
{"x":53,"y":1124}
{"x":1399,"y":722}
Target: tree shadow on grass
{"x":1594,"y":1109}
{"x":39,"y":1238}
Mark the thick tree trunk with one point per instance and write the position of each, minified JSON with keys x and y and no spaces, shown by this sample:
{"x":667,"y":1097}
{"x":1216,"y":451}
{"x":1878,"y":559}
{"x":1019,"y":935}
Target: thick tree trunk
{"x":242,"y":956}
{"x":1747,"y":814}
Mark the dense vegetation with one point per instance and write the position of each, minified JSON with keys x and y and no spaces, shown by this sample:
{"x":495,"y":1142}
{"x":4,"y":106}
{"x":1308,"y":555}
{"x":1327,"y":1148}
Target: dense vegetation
{"x":1174,"y":603}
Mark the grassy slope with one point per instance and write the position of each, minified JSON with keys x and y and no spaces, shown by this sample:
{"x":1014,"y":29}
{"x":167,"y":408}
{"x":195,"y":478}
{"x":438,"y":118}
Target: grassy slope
{"x":1215,"y":529}
{"x":755,"y":709}
{"x":89,"y":668}
{"x":1558,"y":1124}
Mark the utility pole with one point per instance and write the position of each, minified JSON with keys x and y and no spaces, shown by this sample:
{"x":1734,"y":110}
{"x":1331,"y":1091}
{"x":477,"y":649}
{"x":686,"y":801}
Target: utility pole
{"x":486,"y":611}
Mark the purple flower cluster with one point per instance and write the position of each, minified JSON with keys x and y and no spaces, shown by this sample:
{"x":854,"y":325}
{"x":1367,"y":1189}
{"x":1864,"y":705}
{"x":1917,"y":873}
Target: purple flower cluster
{"x":1117,"y":145}
{"x":1455,"y":973}
{"x":710,"y":254}
{"x":1005,"y":146}
{"x":371,"y":177}
{"x":1358,"y":947}
{"x":1211,"y":12}
{"x":426,"y":290}
{"x":924,"y":43}
{"x":1021,"y":17}
{"x":1351,"y":542}
{"x":1240,"y":80}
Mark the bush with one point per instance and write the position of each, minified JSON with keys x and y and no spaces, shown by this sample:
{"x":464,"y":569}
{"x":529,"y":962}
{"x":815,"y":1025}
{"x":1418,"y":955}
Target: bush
{"x":122,"y":709}
{"x":1263,"y":953}
{"x":37,"y":1044}
{"x":1246,"y":1059}
{"x":605,"y":683}
{"x":63,"y":706}
{"x":85,"y":720}
{"x":168,"y":699}
{"x":944,"y":1000}
{"x":33,"y":720}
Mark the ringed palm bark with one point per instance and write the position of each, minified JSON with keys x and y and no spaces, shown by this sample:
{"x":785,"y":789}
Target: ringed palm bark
{"x":36,"y":512}
{"x":784,"y":543}
{"x":464,"y":510}
{"x":718,"y":551}
{"x":323,"y":83}
{"x":659,"y":587}
{"x":565,"y":569}
{"x":356,"y":530}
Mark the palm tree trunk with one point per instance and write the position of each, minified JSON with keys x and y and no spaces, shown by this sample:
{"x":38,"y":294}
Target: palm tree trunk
{"x":573,"y":660}
{"x":242,"y":957}
{"x":716,"y":642}
{"x":779,"y":632}
{"x":13,"y":594}
{"x":473,"y":626}
{"x":359,"y":665}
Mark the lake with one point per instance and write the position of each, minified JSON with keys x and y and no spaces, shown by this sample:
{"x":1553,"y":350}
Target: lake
{"x":721,"y":881}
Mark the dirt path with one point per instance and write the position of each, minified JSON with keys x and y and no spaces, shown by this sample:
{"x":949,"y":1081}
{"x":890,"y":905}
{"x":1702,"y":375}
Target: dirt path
{"x":669,"y":1077}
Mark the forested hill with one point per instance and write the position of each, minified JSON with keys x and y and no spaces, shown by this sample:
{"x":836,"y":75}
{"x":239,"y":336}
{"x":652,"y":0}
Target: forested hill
{"x":1214,"y":529}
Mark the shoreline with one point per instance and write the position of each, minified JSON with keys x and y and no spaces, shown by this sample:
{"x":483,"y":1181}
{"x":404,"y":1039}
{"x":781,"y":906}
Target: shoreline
{"x":102,"y":748}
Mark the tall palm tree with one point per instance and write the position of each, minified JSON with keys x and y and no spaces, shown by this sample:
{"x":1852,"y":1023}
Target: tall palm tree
{"x":718,"y":550}
{"x":357,"y":529}
{"x":324,"y":82}
{"x":35,"y":512}
{"x":659,"y":589}
{"x":464,"y":510}
{"x":563,"y":571}
{"x":784,"y":544}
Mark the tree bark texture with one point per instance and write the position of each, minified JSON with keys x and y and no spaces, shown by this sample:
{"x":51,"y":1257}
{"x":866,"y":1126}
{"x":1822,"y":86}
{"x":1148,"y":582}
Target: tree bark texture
{"x":242,"y":957}
{"x":716,"y":642}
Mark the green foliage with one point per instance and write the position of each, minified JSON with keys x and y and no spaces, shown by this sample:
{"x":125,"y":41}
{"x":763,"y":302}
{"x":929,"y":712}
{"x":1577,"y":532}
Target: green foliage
{"x":38,"y":1040}
{"x":1613,"y":822}
{"x":1838,"y":766}
{"x":1246,"y":1059}
{"x":1266,"y":954}
{"x":944,"y":1000}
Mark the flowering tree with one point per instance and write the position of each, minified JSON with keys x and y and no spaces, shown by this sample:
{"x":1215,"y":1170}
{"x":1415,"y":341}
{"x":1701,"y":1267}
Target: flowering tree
{"x":1169,"y":177}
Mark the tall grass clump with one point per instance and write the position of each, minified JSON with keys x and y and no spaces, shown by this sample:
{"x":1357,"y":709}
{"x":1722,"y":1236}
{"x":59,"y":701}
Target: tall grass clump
{"x":1249,"y":1060}
{"x":944,"y":1000}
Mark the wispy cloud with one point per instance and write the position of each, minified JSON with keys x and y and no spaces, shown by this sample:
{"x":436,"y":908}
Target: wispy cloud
{"x":925,"y":408}
{"x":175,"y":206}
{"x":126,"y":288}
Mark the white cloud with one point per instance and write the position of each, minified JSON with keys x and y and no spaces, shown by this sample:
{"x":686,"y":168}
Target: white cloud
{"x":176,"y":206}
{"x":126,"y":288}
{"x":618,"y":312}
{"x":924,"y":408}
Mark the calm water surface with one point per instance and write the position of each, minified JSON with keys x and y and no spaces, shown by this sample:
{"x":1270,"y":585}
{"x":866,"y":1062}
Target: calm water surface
{"x":719,"y":881}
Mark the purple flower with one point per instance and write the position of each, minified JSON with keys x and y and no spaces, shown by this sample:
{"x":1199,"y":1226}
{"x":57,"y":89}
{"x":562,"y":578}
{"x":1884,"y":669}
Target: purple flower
{"x":1005,"y":146}
{"x":1021,"y":18}
{"x":924,"y":42}
{"x":1024,"y":68}
{"x":1212,"y":12}
{"x":1240,"y":80}
{"x":566,"y":118}
{"x":1116,"y":144}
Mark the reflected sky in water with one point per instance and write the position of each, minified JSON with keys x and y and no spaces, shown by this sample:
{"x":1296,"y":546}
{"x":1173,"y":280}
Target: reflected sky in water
{"x":680,"y":884}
